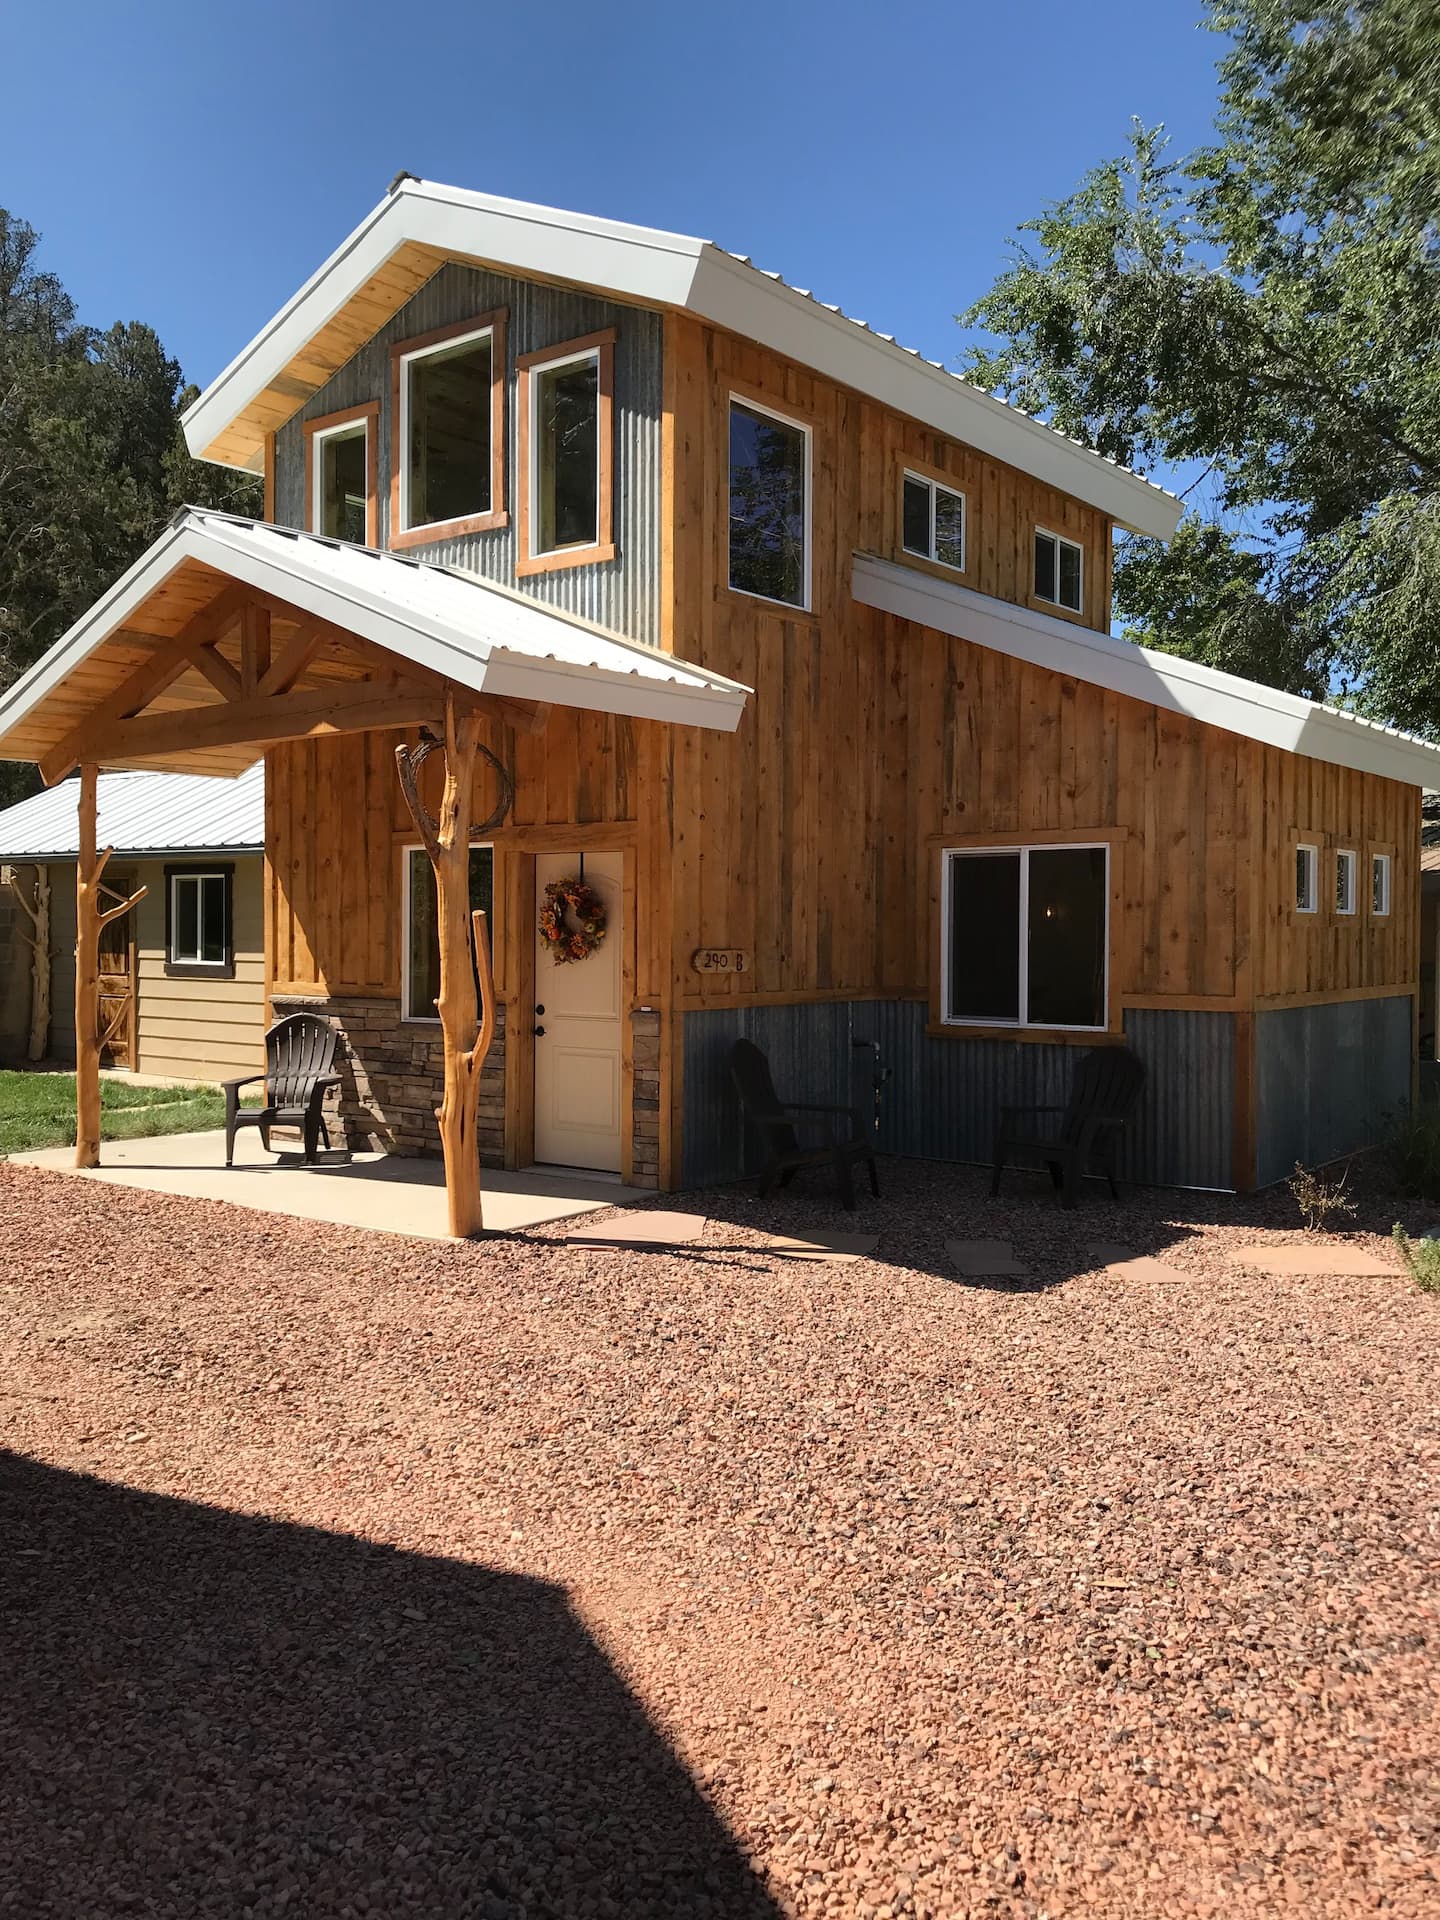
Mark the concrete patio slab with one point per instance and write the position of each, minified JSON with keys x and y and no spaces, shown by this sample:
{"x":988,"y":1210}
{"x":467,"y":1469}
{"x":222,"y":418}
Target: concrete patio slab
{"x":1126,"y":1264}
{"x":374,"y":1190}
{"x":986,"y":1260}
{"x":1336,"y":1257}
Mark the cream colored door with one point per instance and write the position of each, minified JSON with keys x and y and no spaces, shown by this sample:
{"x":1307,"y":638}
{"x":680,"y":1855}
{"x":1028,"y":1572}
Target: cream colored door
{"x":577,"y":1029}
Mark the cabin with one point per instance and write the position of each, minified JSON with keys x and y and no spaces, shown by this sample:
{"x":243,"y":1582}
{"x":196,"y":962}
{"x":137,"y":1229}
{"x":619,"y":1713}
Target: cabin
{"x":760,"y":672}
{"x":182,"y":978}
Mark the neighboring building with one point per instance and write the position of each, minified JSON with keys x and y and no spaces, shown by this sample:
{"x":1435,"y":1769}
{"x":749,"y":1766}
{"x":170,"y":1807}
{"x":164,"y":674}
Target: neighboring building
{"x":799,"y":646}
{"x":183,"y":975}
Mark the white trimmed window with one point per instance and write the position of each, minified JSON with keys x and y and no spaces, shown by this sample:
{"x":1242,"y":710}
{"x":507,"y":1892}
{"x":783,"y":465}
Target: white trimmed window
{"x":1026,"y":936}
{"x":448,"y":430}
{"x":566,"y":436}
{"x":769,"y":504}
{"x":1059,"y":570}
{"x":1346,"y":863}
{"x":340,"y":474}
{"x":933,"y":521}
{"x":1307,"y":879}
{"x":199,"y":917}
{"x":1380,"y":885}
{"x":420,"y":944}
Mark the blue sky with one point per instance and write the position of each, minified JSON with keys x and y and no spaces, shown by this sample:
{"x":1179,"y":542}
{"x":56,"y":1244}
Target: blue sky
{"x":190,"y":165}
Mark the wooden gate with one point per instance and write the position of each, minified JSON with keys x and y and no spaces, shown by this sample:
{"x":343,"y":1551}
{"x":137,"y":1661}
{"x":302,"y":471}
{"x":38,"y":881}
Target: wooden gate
{"x":119,"y":1040}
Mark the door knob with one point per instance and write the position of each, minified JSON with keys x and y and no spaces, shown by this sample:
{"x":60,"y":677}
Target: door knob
{"x":538,"y":1031}
{"x":539,"y":1013}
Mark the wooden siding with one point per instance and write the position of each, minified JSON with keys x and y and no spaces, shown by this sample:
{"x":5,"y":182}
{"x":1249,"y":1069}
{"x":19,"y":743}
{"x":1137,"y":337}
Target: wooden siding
{"x":201,"y":1030}
{"x":623,"y":593}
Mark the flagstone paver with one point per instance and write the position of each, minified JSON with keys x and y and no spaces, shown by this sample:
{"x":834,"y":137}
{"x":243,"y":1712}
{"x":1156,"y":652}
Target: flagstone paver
{"x":986,"y":1260}
{"x":834,"y":1247}
{"x":1126,"y":1264}
{"x":642,"y":1227}
{"x":1338,"y":1257}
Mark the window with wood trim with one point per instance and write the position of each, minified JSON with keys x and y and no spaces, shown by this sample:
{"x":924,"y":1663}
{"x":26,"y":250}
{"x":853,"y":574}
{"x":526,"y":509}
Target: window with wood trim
{"x":1026,"y":936}
{"x":342,"y":475}
{"x":199,"y":922}
{"x":1059,"y":570}
{"x":1346,"y":880}
{"x":567,"y":398}
{"x":933,"y":521}
{"x":1380,"y":885}
{"x":769,"y":504}
{"x":447,"y":430}
{"x":1307,"y":878}
{"x":420,"y":942}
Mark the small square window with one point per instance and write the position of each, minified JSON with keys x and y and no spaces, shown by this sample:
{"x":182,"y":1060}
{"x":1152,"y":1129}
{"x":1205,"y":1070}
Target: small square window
{"x":1345,"y":889}
{"x":1059,"y":570}
{"x":198,"y":935}
{"x":1307,"y":879}
{"x":1380,"y":885}
{"x":934,"y":521}
{"x":769,"y":505}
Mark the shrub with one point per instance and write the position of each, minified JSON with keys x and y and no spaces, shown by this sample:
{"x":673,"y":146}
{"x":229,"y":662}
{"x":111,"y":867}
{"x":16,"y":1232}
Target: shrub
{"x":1317,"y":1201}
{"x":1412,"y":1152}
{"x":1421,"y":1259}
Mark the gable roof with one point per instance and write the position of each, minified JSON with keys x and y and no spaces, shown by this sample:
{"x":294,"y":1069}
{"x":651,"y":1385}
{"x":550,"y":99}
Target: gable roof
{"x":142,"y":813}
{"x":420,"y":225}
{"x":1162,"y":679}
{"x":487,"y":638}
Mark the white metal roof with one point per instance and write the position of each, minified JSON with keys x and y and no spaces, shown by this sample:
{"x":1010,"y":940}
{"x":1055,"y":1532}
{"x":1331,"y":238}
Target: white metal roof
{"x":675,"y":270}
{"x":479,"y":635}
{"x":142,"y":813}
{"x":1163,"y":679}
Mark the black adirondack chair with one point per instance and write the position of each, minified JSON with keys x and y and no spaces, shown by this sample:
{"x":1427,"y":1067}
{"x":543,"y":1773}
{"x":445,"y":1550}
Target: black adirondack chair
{"x":299,"y":1053}
{"x":771,"y":1117}
{"x":1107,"y":1086}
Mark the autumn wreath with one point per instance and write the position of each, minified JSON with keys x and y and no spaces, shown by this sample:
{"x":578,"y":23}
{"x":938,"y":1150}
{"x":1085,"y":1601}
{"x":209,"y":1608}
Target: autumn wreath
{"x":565,"y":940}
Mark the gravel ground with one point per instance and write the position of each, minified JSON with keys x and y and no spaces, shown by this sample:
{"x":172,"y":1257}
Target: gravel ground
{"x":343,"y":1574}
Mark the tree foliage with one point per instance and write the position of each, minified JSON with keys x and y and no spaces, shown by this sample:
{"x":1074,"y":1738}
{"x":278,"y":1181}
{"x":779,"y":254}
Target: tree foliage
{"x":92,"y":459}
{"x":1267,"y":311}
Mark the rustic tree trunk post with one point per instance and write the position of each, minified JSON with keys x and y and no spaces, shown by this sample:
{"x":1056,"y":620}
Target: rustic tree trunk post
{"x":89,"y":921}
{"x":38,"y":941}
{"x":447,"y":841}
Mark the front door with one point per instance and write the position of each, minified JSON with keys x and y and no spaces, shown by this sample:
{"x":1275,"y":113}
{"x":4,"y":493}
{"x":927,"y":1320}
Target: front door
{"x":577,"y":1028}
{"x":117,"y":978}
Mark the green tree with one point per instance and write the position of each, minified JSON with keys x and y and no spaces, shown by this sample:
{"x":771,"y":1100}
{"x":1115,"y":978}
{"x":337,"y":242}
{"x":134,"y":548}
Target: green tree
{"x":1266,"y":312}
{"x":92,"y":459}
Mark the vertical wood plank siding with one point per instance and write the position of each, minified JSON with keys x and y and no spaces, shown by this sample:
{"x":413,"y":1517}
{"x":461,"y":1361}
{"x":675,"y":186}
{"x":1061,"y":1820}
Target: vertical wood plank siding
{"x":623,"y":594}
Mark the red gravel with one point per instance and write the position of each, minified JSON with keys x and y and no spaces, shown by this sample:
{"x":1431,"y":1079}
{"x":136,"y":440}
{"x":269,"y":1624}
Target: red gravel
{"x":343,"y":1574}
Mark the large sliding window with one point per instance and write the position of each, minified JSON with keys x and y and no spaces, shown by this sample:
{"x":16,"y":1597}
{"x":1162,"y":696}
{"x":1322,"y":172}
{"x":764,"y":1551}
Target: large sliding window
{"x":566,"y":412}
{"x":769,"y":505}
{"x":448,"y":428}
{"x":420,"y":943}
{"x":1026,"y":936}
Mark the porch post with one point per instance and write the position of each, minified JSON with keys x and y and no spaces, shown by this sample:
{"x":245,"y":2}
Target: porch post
{"x":90,"y":919}
{"x":447,"y":841}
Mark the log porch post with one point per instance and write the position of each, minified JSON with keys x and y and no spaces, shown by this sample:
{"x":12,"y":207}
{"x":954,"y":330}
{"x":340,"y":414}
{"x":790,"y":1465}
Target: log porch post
{"x":447,"y":841}
{"x":90,"y":919}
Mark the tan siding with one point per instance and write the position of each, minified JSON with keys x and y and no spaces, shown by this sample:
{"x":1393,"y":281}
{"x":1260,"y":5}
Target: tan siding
{"x":201,"y":1029}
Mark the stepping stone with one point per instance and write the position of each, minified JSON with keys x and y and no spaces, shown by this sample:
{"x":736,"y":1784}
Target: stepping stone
{"x":1317,"y":1256}
{"x":1126,"y":1264}
{"x":986,"y":1260}
{"x":834,"y":1247}
{"x":642,"y":1227}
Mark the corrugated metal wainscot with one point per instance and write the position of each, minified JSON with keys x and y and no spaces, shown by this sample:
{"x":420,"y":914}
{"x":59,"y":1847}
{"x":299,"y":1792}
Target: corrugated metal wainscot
{"x":940,"y":1100}
{"x":1328,"y":1080}
{"x":623,"y":594}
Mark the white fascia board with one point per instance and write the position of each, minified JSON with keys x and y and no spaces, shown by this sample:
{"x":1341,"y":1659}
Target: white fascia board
{"x":1161,"y":679}
{"x":522,"y":677}
{"x":639,"y":263}
{"x":737,"y":296}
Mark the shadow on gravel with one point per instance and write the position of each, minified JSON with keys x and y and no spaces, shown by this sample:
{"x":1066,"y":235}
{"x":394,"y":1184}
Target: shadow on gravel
{"x":205,"y":1713}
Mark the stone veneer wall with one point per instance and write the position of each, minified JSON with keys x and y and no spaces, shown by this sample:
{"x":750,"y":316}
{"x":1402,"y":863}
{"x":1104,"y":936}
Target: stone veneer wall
{"x":392,"y":1075}
{"x":393,"y":1070}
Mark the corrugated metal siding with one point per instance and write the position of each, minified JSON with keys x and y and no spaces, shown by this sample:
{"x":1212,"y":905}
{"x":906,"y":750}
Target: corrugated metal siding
{"x":941,"y":1099}
{"x":1328,"y":1080}
{"x":623,"y":594}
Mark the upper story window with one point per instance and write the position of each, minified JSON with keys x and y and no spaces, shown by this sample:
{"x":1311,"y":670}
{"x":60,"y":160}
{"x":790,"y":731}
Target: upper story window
{"x":1059,"y":570}
{"x":934,"y":521}
{"x":199,"y":917}
{"x":1346,"y":878}
{"x":1307,"y":879}
{"x":1380,"y":884}
{"x":341,"y":467}
{"x":448,"y":428}
{"x":1026,"y":934}
{"x":567,"y":454}
{"x":769,"y":505}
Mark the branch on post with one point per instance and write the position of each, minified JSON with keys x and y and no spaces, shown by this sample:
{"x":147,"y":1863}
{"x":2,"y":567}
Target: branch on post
{"x":38,"y":941}
{"x":90,"y":918}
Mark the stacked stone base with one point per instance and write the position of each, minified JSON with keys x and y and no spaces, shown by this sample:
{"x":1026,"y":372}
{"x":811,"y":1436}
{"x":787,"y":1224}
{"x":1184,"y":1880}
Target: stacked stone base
{"x":645,"y":1097}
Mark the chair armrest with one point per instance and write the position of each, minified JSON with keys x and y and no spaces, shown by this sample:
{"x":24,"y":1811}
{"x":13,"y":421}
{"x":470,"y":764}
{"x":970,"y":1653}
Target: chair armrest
{"x":245,"y":1080}
{"x":322,"y":1086}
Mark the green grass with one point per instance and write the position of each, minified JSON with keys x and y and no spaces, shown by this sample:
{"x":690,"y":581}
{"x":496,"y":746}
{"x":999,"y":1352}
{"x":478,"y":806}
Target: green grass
{"x":38,"y":1110}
